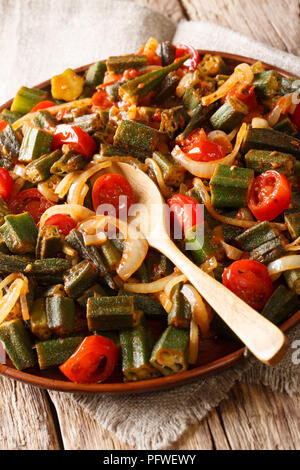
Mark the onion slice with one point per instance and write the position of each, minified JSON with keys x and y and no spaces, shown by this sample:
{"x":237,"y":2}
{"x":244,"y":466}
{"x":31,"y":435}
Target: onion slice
{"x":194,"y":342}
{"x":206,"y":169}
{"x":165,"y":190}
{"x":77,"y":212}
{"x":149,"y":287}
{"x":173,"y":282}
{"x":242,"y":74}
{"x":78,"y":189}
{"x":134,"y":252}
{"x":9,"y":300}
{"x":199,"y":311}
{"x":284,"y":264}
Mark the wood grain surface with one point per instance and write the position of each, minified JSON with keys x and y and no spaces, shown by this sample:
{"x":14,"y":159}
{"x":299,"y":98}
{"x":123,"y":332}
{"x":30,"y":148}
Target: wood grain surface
{"x":252,"y":417}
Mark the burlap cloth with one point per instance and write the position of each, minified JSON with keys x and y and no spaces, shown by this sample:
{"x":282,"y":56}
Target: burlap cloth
{"x":39,"y":38}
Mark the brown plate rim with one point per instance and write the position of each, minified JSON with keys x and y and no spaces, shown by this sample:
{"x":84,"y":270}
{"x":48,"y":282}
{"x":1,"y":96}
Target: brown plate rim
{"x":161,"y":383}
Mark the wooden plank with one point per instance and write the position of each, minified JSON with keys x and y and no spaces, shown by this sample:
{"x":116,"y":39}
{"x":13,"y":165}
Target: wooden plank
{"x":256,"y":418}
{"x":275,"y":22}
{"x":25,"y":417}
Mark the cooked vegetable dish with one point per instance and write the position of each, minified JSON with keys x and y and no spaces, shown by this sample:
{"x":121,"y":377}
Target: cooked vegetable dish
{"x":214,"y":137}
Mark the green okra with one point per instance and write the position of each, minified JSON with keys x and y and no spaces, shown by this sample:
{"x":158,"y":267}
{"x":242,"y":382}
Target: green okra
{"x":44,"y":120}
{"x":180,"y":313}
{"x":39,"y":170}
{"x":67,"y":163}
{"x":113,"y":91}
{"x":229,"y":115}
{"x":151,"y":307}
{"x":264,"y":160}
{"x":10,"y":116}
{"x":170,"y":353}
{"x":110,"y":254}
{"x":230,"y":186}
{"x":282,"y":304}
{"x":80,"y":278}
{"x":56,"y":289}
{"x":200,"y":244}
{"x":54,"y":352}
{"x":173,"y":120}
{"x":38,"y":320}
{"x":292,"y":278}
{"x":40,"y":268}
{"x":36,"y":142}
{"x":173,"y":173}
{"x":118,"y":64}
{"x":287,"y":126}
{"x":200,"y":114}
{"x":191,"y":98}
{"x":136,"y":350}
{"x":27,"y":98}
{"x":267,"y":84}
{"x":60,"y":311}
{"x":75,"y":240}
{"x":136,"y":139}
{"x":142,"y":85}
{"x":167,"y":52}
{"x":9,"y":147}
{"x":267,"y":139}
{"x":90,"y":122}
{"x":292,"y":220}
{"x":213,"y":65}
{"x":19,"y":233}
{"x":4,"y":210}
{"x":111,"y":313}
{"x":17,"y":343}
{"x":48,"y":242}
{"x":167,"y":87}
{"x":95,"y":74}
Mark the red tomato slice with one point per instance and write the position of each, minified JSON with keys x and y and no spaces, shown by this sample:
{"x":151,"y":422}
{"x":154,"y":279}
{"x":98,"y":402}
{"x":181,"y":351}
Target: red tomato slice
{"x":42,"y":105}
{"x":187,"y":211}
{"x":270,"y":195}
{"x":296,"y":117}
{"x":197,"y":147}
{"x":193,"y":61}
{"x":6,"y":184}
{"x":64,"y":223}
{"x":250,"y":281}
{"x":93,"y":361}
{"x":245,"y":93}
{"x":32,"y":201}
{"x":101,"y":100}
{"x":76,"y":138}
{"x":107,"y":189}
{"x":129,"y":74}
{"x":3,"y":125}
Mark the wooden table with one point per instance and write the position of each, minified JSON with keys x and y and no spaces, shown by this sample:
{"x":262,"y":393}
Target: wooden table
{"x":252,"y":417}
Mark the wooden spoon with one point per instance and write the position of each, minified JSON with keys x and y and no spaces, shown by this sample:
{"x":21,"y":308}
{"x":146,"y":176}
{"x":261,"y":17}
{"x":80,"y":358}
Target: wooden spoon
{"x":263,"y":338}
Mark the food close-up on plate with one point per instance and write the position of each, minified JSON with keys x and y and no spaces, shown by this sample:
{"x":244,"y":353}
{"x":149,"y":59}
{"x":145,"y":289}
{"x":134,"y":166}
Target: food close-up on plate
{"x":99,"y":296}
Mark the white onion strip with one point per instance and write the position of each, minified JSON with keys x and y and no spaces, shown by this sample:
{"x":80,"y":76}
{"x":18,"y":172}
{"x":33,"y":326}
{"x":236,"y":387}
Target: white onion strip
{"x":165,"y":190}
{"x":242,"y":74}
{"x":199,"y":311}
{"x":134,"y":252}
{"x":77,"y":212}
{"x":173,"y":282}
{"x":10,"y":299}
{"x":78,"y":189}
{"x":149,"y":287}
{"x":293,"y":246}
{"x":206,"y":169}
{"x":194,"y":342}
{"x":284,"y":264}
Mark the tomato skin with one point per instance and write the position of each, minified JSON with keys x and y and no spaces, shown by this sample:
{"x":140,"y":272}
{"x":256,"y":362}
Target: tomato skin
{"x":186,"y":210}
{"x":108,"y":188}
{"x":129,"y":74}
{"x":42,"y":105}
{"x":193,"y":61}
{"x":245,"y":93}
{"x":101,"y":100}
{"x":3,"y":125}
{"x":250,"y":281}
{"x":76,"y":138}
{"x":199,"y":148}
{"x":6,"y":184}
{"x":64,"y":223}
{"x":270,"y":195}
{"x":32,"y":201}
{"x":82,"y":366}
{"x":296,"y":117}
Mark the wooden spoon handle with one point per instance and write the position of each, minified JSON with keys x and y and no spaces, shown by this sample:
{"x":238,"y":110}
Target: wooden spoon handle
{"x":263,"y":338}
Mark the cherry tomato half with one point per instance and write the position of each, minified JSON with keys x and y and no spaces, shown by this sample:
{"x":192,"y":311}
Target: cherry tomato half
{"x":199,"y":148}
{"x":63,"y":222}
{"x":245,"y":93}
{"x":270,"y":195}
{"x":6,"y":184}
{"x":32,"y":201}
{"x":3,"y":125}
{"x":42,"y":105}
{"x":76,"y":138}
{"x":250,"y":281}
{"x":296,"y":117}
{"x":93,"y":361}
{"x":187,"y":211}
{"x":107,"y":189}
{"x":101,"y":100}
{"x":193,"y":61}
